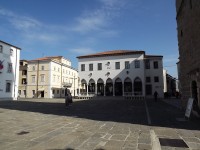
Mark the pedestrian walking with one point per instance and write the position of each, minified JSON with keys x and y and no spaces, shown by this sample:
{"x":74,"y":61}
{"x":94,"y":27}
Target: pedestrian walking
{"x":155,"y":96}
{"x":66,"y":98}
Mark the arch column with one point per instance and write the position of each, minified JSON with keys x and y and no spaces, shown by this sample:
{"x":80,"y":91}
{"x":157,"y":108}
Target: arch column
{"x":113,"y":89}
{"x":87,"y":88}
{"x":123,"y":89}
{"x":104,"y":86}
{"x":95,"y":89}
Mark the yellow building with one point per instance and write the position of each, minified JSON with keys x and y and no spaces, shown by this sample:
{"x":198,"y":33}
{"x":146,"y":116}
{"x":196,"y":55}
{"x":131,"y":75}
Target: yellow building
{"x":23,"y":78}
{"x":48,"y":77}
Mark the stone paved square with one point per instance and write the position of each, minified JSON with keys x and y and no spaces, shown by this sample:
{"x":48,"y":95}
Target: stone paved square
{"x":41,"y":124}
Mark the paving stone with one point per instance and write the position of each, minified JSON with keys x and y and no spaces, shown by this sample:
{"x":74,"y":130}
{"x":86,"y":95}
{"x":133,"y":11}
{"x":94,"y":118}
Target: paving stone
{"x":192,"y":139}
{"x":118,"y":137}
{"x":144,"y":147}
{"x":193,"y":146}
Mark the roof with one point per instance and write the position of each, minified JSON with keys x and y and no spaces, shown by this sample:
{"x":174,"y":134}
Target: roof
{"x":150,"y":56}
{"x":10,"y":45}
{"x":112,"y":53}
{"x":46,"y":58}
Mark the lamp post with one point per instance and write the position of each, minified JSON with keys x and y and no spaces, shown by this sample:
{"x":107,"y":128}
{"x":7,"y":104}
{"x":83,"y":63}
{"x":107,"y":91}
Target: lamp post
{"x":74,"y":85}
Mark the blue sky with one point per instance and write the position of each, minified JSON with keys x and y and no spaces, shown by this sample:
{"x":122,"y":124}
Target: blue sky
{"x":77,"y":27}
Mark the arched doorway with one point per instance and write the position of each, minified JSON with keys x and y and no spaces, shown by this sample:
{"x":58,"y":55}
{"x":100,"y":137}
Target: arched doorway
{"x":100,"y":87}
{"x":109,"y":87}
{"x":137,"y":86}
{"x":83,"y":90}
{"x":118,"y":87}
{"x":91,"y":87}
{"x":127,"y":86}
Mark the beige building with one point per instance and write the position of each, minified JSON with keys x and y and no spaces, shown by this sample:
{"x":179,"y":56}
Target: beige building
{"x":23,"y":78}
{"x":48,"y":77}
{"x":188,"y":26}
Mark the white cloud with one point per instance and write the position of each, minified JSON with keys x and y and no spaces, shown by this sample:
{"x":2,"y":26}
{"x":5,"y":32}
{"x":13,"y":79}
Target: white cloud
{"x":99,"y":19}
{"x":82,"y":51}
{"x":25,"y":23}
{"x":32,"y":29}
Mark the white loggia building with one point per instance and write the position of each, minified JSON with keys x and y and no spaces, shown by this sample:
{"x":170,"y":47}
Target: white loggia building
{"x":121,"y":73}
{"x":9,"y":71}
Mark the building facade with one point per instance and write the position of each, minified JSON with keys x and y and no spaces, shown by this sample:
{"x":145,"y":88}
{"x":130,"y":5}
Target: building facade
{"x":188,"y":27}
{"x":9,"y":71}
{"x":23,"y":78}
{"x":49,"y":76}
{"x":121,"y":73}
{"x":170,"y":85}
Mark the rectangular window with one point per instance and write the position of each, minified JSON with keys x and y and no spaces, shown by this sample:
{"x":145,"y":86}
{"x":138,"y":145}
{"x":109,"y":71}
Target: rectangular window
{"x":127,"y":65}
{"x":63,"y":91}
{"x":156,"y":79}
{"x":8,"y":86}
{"x":11,"y":52}
{"x":24,"y":72}
{"x":24,"y":92}
{"x":33,"y":91}
{"x":117,"y":65}
{"x":82,"y":67}
{"x":1,"y":49}
{"x":147,"y":64}
{"x":99,"y":66}
{"x":42,"y":67}
{"x":53,"y":91}
{"x":42,"y":77}
{"x":19,"y":92}
{"x":90,"y":67}
{"x":9,"y":67}
{"x":137,"y":64}
{"x":33,"y":68}
{"x":155,"y":64}
{"x":33,"y":79}
{"x":57,"y":91}
{"x":148,"y":79}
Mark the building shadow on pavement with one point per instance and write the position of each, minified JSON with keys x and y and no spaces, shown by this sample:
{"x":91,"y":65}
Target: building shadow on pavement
{"x":124,"y":111}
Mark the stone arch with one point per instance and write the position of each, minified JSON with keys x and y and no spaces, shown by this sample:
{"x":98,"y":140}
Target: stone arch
{"x":127,"y":86}
{"x":109,"y":87}
{"x":100,"y":87}
{"x":83,"y":89}
{"x":118,"y":87}
{"x":137,"y":86}
{"x":91,"y":86}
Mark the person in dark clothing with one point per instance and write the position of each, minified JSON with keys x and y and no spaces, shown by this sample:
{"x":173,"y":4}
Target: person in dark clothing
{"x":68,"y":98}
{"x":155,"y":96}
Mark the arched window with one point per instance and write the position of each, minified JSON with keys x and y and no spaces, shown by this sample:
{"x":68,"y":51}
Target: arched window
{"x":8,"y":86}
{"x":138,"y":86}
{"x":127,"y":85}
